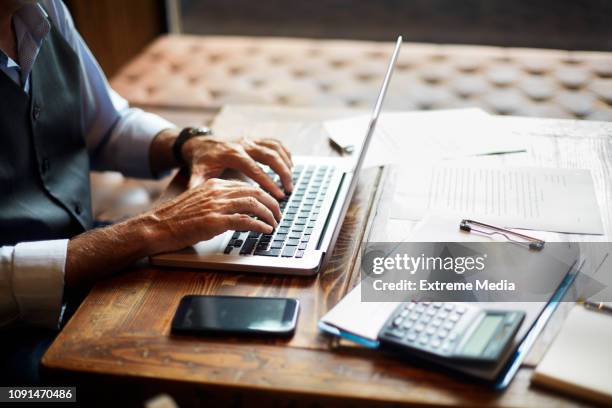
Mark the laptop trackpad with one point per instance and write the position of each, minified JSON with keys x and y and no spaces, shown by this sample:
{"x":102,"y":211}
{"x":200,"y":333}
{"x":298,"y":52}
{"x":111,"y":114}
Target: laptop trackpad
{"x":212,"y":246}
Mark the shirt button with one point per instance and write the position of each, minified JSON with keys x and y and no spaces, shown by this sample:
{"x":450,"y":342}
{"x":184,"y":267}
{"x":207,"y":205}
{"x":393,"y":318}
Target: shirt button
{"x":36,"y":112}
{"x":78,"y":209}
{"x":45,"y":165}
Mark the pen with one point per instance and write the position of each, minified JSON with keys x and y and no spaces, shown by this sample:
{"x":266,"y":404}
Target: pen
{"x":597,"y":306}
{"x":348,"y":149}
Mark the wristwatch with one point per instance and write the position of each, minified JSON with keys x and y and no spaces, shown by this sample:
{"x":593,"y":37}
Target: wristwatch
{"x":183,"y":137}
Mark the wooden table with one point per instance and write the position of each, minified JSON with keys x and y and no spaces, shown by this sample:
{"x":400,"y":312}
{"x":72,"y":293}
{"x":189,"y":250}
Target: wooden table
{"x":120,"y":336}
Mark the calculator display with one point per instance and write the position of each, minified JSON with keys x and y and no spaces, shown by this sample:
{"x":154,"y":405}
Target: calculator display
{"x":477,"y":343}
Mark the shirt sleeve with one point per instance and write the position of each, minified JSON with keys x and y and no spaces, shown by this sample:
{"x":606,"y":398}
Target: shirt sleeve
{"x":118,"y":136}
{"x":32,"y":283}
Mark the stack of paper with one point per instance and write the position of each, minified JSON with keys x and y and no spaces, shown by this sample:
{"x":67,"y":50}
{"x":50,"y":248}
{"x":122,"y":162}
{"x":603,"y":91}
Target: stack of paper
{"x":428,"y":136}
{"x":442,"y":168}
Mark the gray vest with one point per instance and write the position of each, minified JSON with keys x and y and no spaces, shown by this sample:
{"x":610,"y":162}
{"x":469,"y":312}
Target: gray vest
{"x":44,"y":165}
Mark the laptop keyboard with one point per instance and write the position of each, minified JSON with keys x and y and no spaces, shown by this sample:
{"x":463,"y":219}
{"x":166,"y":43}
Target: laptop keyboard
{"x":300,"y":212}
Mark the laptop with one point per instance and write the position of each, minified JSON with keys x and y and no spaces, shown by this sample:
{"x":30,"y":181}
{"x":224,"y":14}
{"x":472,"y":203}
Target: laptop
{"x":312,"y":217}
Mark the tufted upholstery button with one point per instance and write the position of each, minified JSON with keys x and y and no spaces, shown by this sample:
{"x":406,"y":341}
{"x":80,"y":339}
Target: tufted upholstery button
{"x":435,"y":73}
{"x":538,"y":88}
{"x":506,"y":101}
{"x":536,"y":65}
{"x":577,"y":103}
{"x":603,"y":67}
{"x":502,"y":75}
{"x":603,"y":89}
{"x":469,"y":85}
{"x":572,"y":77}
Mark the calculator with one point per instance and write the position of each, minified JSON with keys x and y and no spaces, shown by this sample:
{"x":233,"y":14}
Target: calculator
{"x":451,"y":330}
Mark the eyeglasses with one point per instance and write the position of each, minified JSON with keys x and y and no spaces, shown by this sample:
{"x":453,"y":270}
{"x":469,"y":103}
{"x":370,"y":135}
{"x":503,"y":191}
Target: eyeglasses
{"x":490,"y":230}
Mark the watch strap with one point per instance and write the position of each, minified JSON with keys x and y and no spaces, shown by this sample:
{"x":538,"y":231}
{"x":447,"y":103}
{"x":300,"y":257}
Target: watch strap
{"x":186,"y":134}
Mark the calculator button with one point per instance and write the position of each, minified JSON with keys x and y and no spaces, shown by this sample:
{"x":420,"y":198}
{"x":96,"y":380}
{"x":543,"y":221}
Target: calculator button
{"x":435,"y":343}
{"x":407,"y":324}
{"x":398,"y":321}
{"x":404,"y":313}
{"x":431,"y":311}
{"x":419,"y":327}
{"x":449,"y":307}
{"x":437,"y":305}
{"x":399,"y":334}
{"x":411,"y":336}
{"x":448,"y":325}
{"x":424,"y":339}
{"x":436,"y":322}
{"x":410,"y":306}
{"x":414,"y":316}
{"x":453,"y":336}
{"x":425,"y":319}
{"x":420,"y":308}
{"x":454,"y":317}
{"x":442,"y":333}
{"x":443,"y":315}
{"x":430,"y":330}
{"x":461,"y":309}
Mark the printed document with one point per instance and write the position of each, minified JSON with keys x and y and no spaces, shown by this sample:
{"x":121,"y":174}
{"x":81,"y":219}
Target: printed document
{"x":402,"y":137}
{"x":545,"y":199}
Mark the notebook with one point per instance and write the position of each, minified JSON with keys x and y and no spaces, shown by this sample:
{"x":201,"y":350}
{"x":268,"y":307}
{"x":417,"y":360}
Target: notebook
{"x":578,"y":361}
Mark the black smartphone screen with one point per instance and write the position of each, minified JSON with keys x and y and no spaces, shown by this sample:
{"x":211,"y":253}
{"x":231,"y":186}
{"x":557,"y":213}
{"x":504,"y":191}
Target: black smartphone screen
{"x":236,"y":314}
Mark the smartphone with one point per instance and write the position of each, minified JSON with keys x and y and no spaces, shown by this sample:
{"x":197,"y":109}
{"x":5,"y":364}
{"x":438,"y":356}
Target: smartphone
{"x":236,"y":315}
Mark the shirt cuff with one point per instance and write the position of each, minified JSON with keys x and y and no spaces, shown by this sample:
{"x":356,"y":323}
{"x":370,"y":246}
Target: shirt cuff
{"x":38,"y":281}
{"x":134,"y":133}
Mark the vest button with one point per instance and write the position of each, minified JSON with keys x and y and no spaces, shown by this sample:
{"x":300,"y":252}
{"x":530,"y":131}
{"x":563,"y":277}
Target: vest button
{"x":45,"y":165}
{"x":78,"y":209}
{"x":36,"y":112}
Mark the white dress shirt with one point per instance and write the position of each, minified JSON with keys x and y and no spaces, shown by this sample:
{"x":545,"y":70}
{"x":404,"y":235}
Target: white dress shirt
{"x":118,"y":138}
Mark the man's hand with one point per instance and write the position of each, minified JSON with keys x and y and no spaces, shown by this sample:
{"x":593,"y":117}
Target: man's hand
{"x":210,"y":209}
{"x":196,"y":215}
{"x":209,"y":157}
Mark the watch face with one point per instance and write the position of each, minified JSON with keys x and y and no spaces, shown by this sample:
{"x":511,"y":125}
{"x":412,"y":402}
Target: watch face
{"x":199,"y":131}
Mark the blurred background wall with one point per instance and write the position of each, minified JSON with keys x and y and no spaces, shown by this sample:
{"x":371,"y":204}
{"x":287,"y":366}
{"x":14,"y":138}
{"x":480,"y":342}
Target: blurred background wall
{"x":118,"y":29}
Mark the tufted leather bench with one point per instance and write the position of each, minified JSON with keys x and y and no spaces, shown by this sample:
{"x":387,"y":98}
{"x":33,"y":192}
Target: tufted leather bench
{"x":207,"y":72}
{"x":196,"y":72}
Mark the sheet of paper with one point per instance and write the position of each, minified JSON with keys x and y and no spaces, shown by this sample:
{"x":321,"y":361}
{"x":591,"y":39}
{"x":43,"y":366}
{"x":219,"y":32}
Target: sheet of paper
{"x":546,"y":199}
{"x":365,"y":319}
{"x":402,"y":137}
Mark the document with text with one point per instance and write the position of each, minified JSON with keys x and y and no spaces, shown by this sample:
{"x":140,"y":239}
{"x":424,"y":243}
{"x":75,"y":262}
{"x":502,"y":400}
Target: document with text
{"x":547,"y":199}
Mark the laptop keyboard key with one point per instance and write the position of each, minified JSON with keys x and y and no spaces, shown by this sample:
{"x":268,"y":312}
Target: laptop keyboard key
{"x":299,"y":254}
{"x":288,"y":251}
{"x":271,"y":252}
{"x":238,"y":243}
{"x":248,"y":246}
{"x":228,"y":249}
{"x":302,"y":246}
{"x":276,"y":245}
{"x":293,"y":242}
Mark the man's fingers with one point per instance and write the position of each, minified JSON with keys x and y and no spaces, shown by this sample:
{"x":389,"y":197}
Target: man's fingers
{"x":279,"y":148}
{"x":250,"y":205}
{"x":272,"y":158}
{"x":250,"y":168}
{"x":242,"y":222}
{"x":265,"y":198}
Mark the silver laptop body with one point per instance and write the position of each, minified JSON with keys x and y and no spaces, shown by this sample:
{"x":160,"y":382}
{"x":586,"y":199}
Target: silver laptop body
{"x":311,"y":221}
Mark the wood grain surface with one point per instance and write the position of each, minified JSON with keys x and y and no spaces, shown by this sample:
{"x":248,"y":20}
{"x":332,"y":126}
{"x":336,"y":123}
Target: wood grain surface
{"x":120,"y":336}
